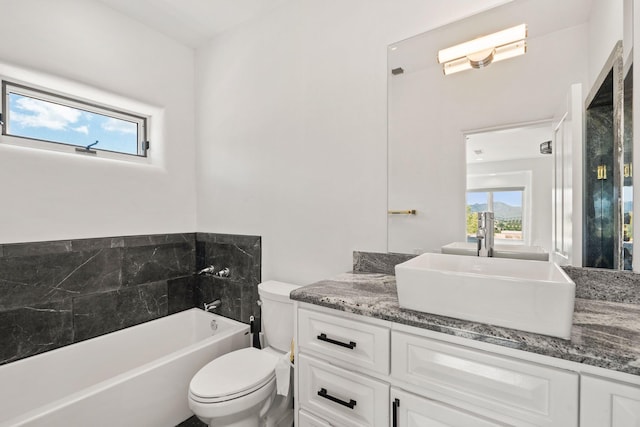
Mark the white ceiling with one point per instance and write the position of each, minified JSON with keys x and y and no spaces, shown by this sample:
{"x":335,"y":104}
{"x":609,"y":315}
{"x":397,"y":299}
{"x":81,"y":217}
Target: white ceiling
{"x":193,"y":22}
{"x":508,"y":144}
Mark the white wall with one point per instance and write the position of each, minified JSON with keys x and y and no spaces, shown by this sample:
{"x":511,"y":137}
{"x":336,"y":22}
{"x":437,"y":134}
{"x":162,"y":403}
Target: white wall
{"x":84,"y":45}
{"x":291,"y":129}
{"x":627,"y":30}
{"x":605,"y":29}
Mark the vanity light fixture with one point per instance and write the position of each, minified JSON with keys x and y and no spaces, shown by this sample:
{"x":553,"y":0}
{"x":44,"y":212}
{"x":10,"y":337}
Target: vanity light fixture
{"x":481,"y":52}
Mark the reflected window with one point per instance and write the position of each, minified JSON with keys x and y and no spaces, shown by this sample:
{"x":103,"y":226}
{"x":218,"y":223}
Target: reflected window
{"x":507,"y":207}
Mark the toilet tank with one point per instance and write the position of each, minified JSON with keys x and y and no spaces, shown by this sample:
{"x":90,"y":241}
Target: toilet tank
{"x":277,"y":314}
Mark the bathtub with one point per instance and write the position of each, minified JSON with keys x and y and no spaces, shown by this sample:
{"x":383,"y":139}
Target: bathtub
{"x":135,"y":377}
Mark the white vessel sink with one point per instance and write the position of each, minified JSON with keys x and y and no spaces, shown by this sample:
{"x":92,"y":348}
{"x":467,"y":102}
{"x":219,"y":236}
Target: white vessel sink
{"x":499,"y":251}
{"x":526,"y":295}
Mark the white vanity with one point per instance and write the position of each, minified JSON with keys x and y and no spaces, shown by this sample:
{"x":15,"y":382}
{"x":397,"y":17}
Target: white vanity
{"x":362,"y":361}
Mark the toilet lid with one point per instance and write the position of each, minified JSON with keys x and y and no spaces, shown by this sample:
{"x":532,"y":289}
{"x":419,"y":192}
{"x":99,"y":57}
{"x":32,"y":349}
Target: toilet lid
{"x":232,"y":374}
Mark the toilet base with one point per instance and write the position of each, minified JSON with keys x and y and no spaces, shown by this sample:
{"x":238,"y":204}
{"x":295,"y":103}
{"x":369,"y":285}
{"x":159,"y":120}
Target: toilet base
{"x":265,"y":409}
{"x":280,"y":414}
{"x":251,"y":417}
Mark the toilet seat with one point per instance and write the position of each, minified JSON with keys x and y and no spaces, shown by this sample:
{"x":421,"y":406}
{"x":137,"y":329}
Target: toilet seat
{"x":233,"y":375}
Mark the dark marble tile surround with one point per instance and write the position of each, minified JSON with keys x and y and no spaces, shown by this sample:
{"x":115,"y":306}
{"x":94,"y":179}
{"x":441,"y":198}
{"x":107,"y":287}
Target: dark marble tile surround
{"x":238,"y":292}
{"x":57,"y":293}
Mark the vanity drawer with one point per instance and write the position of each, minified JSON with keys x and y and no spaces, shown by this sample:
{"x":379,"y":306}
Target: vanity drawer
{"x":341,"y":397}
{"x":474,"y":379}
{"x":343,"y":341}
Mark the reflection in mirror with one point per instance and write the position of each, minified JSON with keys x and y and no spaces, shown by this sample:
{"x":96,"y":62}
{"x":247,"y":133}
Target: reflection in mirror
{"x":606,"y":189}
{"x":627,"y":171}
{"x":510,"y":172}
{"x":431,"y":114}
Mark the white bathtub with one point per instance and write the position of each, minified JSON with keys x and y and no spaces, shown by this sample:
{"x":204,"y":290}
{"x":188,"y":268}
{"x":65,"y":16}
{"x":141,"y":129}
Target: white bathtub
{"x":135,"y":377}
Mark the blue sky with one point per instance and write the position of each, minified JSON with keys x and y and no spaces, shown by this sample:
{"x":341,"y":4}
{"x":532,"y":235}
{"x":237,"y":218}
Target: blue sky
{"x":511,"y":198}
{"x":38,"y":119}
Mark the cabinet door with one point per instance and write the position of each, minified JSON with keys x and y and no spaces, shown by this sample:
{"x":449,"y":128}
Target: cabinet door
{"x":409,"y":410}
{"x":605,"y":403}
{"x":486,"y":383}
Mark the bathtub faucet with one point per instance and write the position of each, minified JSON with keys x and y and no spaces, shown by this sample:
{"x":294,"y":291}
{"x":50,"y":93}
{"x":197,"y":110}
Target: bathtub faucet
{"x":207,"y":270}
{"x":212,"y":305}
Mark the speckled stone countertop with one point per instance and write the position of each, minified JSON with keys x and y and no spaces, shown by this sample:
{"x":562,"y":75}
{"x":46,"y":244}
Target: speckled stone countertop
{"x":605,"y":334}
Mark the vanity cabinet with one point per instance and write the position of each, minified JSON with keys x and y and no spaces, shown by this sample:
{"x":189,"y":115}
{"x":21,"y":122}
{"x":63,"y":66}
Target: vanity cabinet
{"x":352,"y":370}
{"x":606,"y":403}
{"x":344,"y":377}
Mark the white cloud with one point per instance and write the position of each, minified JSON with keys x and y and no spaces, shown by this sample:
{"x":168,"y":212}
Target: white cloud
{"x":82,"y":129}
{"x":122,"y":126}
{"x":32,"y":112}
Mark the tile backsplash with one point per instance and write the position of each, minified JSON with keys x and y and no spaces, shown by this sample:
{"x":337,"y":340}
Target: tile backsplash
{"x":57,"y":293}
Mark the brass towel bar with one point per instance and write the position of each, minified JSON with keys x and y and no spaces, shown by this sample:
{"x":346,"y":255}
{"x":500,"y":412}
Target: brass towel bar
{"x":406,"y":212}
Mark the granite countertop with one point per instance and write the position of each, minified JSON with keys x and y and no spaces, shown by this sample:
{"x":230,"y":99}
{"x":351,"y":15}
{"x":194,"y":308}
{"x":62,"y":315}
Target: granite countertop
{"x":605,"y":333}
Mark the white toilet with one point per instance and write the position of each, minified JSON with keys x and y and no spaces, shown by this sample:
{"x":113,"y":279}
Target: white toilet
{"x":238,"y":389}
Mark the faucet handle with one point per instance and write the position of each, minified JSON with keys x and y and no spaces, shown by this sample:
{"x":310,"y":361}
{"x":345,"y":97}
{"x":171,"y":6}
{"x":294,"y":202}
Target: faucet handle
{"x":207,"y":270}
{"x":212,"y":305}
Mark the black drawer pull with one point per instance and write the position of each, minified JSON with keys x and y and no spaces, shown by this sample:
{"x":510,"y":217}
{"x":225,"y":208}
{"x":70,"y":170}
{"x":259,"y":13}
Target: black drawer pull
{"x":323,"y":337}
{"x":350,"y":404}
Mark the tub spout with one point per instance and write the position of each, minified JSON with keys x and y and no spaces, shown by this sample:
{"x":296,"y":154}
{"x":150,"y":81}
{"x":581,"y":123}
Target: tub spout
{"x":212,"y":305}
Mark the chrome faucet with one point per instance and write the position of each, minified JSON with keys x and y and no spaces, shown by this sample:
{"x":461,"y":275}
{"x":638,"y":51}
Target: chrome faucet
{"x":207,"y":270}
{"x":212,"y":305}
{"x":485,"y":234}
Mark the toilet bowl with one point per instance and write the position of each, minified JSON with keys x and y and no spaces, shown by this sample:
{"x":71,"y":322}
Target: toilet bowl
{"x":238,"y":389}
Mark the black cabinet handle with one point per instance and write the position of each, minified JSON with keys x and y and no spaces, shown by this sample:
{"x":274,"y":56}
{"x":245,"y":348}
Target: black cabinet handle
{"x":395,"y":405}
{"x":323,"y":393}
{"x":323,"y":337}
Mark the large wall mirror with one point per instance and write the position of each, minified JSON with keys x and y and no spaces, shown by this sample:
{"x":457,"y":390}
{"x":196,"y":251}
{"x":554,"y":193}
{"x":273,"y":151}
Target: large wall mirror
{"x":511,"y":137}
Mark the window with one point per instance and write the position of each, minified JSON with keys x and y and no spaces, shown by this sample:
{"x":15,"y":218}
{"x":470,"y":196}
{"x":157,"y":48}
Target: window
{"x":34,"y":115}
{"x":506,"y":205}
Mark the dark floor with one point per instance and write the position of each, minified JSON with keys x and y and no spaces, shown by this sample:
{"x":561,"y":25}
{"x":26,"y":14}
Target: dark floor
{"x":192,"y":422}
